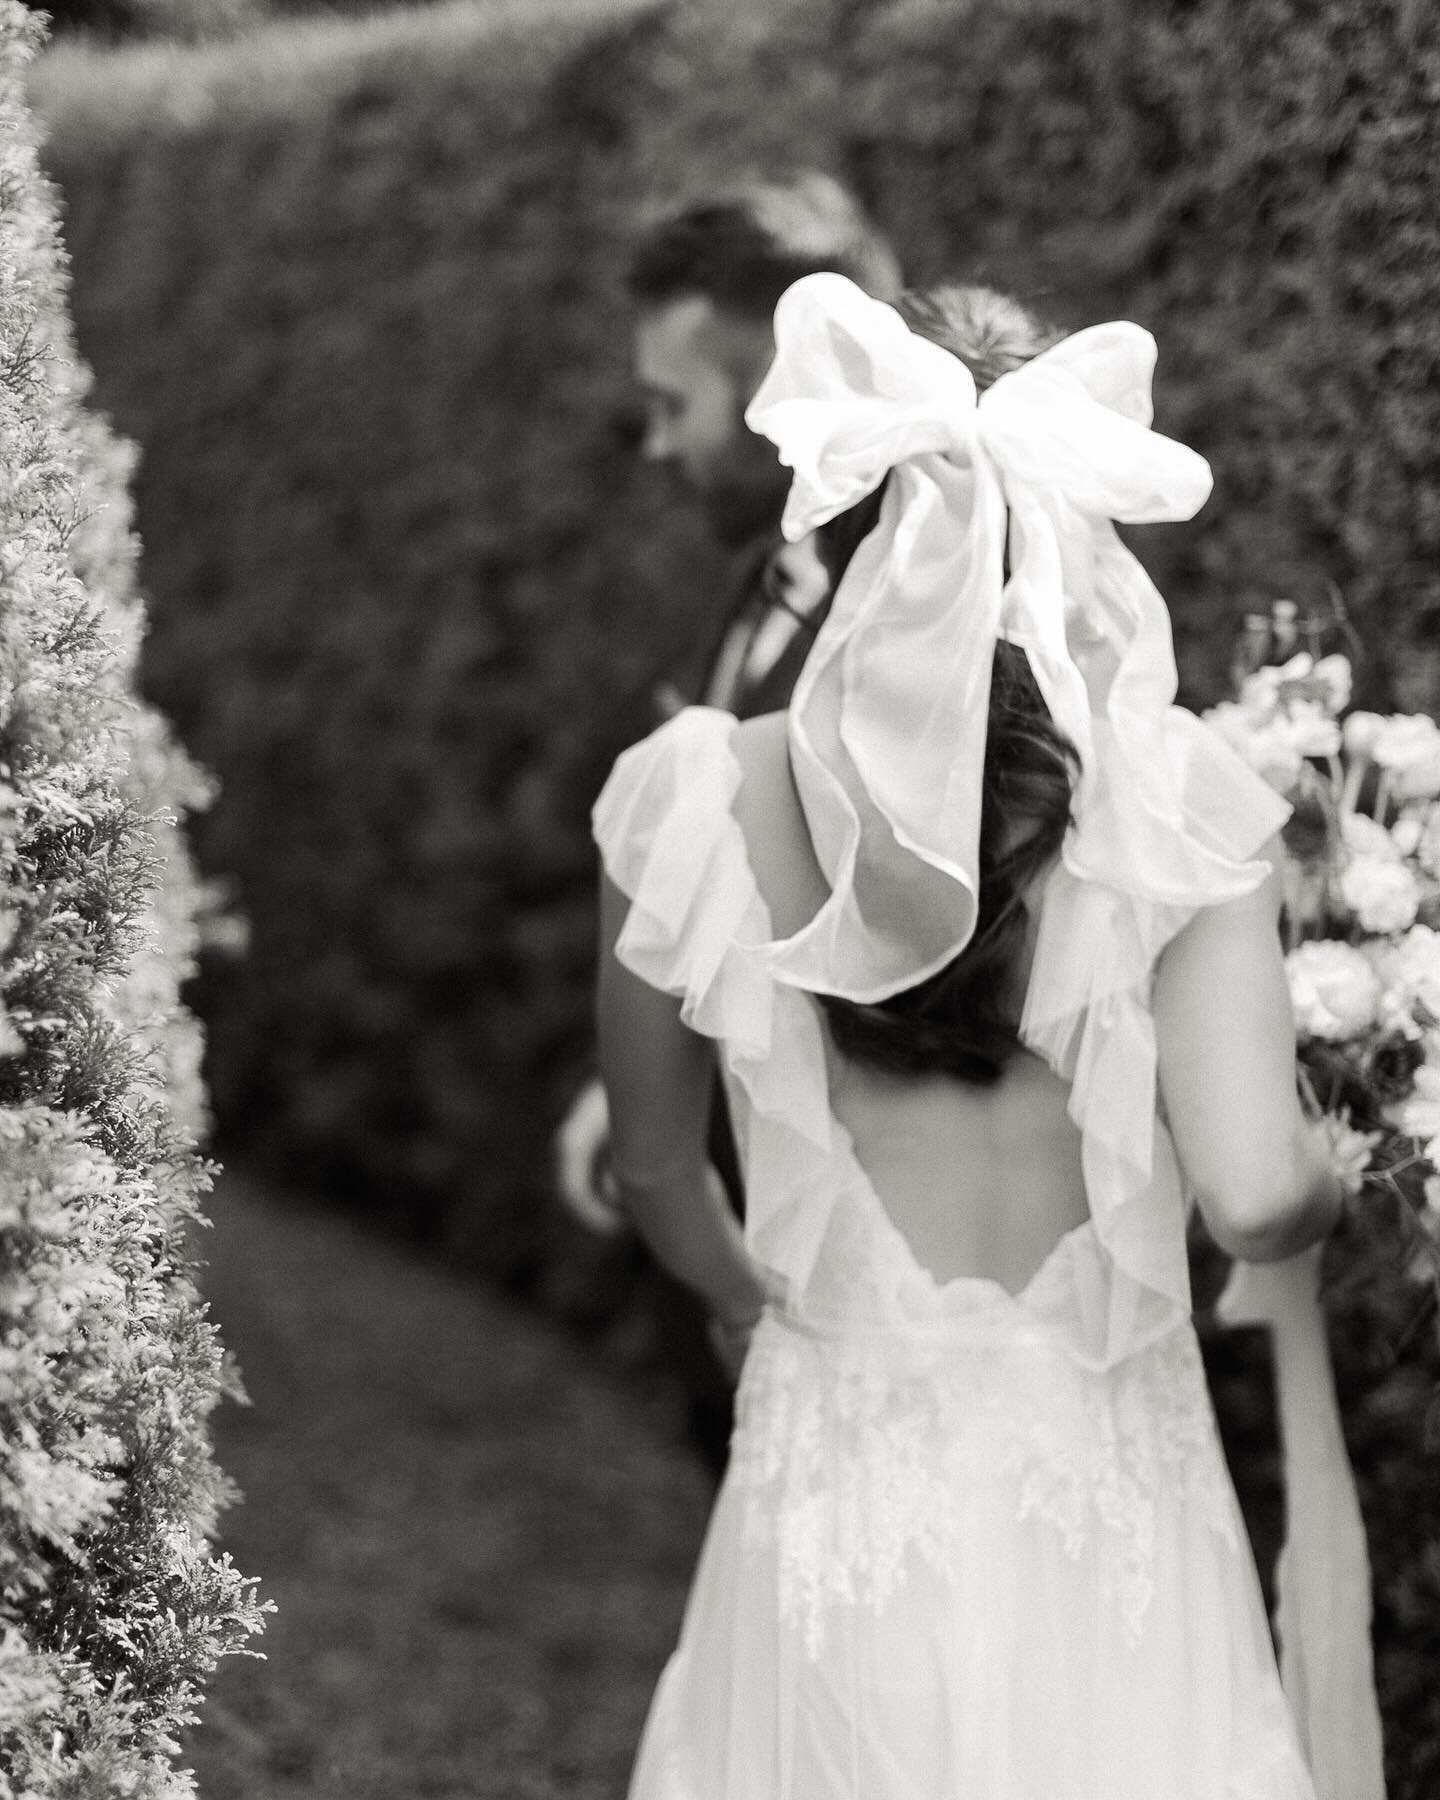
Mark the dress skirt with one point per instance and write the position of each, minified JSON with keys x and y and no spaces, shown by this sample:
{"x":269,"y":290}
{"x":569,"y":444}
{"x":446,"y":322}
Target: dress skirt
{"x":984,"y":1625}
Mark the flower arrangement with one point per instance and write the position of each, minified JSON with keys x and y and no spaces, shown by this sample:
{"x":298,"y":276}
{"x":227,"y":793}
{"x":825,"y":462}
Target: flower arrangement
{"x":1362,"y":924}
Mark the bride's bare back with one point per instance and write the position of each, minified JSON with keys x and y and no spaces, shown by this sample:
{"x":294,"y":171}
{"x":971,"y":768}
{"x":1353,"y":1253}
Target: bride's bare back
{"x":979,"y":1180}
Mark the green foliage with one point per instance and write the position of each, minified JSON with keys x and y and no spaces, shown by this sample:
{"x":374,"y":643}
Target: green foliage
{"x":112,"y":1608}
{"x":1251,"y":181}
{"x":185,"y":21}
{"x":357,"y":293}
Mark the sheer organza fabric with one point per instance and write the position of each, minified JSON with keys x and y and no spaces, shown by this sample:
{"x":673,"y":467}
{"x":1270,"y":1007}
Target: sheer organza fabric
{"x":971,"y":1543}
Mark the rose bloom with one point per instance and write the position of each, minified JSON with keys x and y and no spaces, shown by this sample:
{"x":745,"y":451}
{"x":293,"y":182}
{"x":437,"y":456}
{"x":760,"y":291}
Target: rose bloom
{"x":1334,"y":991}
{"x":1381,"y":892}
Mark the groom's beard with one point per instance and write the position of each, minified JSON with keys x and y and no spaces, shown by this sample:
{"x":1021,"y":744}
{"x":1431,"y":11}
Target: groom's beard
{"x":743,"y":492}
{"x":740,"y":512}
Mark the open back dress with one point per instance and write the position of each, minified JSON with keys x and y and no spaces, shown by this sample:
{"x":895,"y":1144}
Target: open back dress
{"x":972,"y":1544}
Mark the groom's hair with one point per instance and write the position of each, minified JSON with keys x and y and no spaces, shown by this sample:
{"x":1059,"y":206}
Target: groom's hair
{"x":742,"y":245}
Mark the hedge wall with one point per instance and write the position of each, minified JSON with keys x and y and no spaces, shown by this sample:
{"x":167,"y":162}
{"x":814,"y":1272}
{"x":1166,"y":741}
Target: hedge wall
{"x":379,"y":395}
{"x":112,"y":1606}
{"x":357,"y":293}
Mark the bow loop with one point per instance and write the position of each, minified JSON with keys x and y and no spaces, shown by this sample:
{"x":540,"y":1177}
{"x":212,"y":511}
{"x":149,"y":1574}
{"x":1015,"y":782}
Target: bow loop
{"x":854,"y":394}
{"x":1075,"y":421}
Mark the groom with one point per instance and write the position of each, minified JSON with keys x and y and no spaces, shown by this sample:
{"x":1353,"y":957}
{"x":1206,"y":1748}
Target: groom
{"x":705,"y":279}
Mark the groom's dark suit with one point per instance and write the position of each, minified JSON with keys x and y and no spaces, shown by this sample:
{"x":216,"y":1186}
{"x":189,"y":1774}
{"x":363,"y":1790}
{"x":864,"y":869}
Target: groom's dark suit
{"x":751,"y":668}
{"x":755,"y":659}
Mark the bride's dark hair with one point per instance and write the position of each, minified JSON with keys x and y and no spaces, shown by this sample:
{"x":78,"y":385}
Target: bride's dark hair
{"x":964,"y":1021}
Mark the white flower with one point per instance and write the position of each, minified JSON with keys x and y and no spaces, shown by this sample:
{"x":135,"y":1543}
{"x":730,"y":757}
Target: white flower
{"x":1275,"y":744}
{"x":1381,"y":892}
{"x":1408,"y":746}
{"x":1360,"y":730}
{"x":1419,"y":1116}
{"x":1311,"y":730}
{"x":1237,"y":721}
{"x":1421,"y":781}
{"x":1332,"y":677}
{"x":1406,"y":832}
{"x":1350,"y":1150}
{"x":1260,"y":739}
{"x":1367,"y":837}
{"x":1275,"y":756}
{"x":1427,"y":851}
{"x":1333,"y":989}
{"x":1410,"y":969}
{"x":1260,"y":694}
{"x":1404,"y":739}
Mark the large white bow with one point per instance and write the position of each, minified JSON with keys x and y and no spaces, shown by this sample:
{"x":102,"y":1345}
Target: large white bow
{"x":889,"y":717}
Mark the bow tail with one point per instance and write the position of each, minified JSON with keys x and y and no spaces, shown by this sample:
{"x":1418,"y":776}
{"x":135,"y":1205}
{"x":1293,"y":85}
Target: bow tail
{"x":1323,"y":1576}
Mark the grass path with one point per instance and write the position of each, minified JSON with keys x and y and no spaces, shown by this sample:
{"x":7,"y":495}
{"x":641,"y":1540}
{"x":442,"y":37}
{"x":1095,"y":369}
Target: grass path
{"x":477,"y":1540}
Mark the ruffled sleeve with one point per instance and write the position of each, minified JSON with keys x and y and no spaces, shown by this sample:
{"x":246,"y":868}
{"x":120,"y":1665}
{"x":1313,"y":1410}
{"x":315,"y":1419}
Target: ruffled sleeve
{"x":669,"y":842}
{"x":698,"y":928}
{"x":1087,"y":1012}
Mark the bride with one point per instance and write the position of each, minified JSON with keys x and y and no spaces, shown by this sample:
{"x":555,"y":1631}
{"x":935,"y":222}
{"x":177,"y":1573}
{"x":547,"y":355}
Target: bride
{"x":981,"y":937}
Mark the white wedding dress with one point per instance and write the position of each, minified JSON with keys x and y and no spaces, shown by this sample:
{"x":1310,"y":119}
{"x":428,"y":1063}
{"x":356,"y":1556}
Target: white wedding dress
{"x":971,"y":1545}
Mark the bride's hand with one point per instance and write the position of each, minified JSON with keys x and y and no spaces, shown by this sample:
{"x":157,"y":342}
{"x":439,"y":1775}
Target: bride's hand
{"x":730,"y":1340}
{"x":730,"y":1332}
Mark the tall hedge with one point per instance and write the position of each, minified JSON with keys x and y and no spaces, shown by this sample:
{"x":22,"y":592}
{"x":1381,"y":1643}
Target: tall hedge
{"x":368,"y":331}
{"x":112,"y":1606}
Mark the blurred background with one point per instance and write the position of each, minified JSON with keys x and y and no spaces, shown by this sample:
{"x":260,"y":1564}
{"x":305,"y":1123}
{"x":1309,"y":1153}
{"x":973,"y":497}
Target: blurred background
{"x":353,"y":280}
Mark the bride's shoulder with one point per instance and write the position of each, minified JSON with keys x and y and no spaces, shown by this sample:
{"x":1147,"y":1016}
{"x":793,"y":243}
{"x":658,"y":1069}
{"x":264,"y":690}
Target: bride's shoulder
{"x":772,"y":822}
{"x":767,"y":791}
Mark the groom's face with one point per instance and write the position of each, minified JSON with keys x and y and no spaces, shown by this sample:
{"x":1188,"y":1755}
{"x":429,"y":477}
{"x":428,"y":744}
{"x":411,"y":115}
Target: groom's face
{"x":697,"y":368}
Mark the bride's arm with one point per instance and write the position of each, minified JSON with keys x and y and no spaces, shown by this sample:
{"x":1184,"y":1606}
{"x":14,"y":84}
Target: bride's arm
{"x":659,"y":1077}
{"x":1225,"y":1040}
